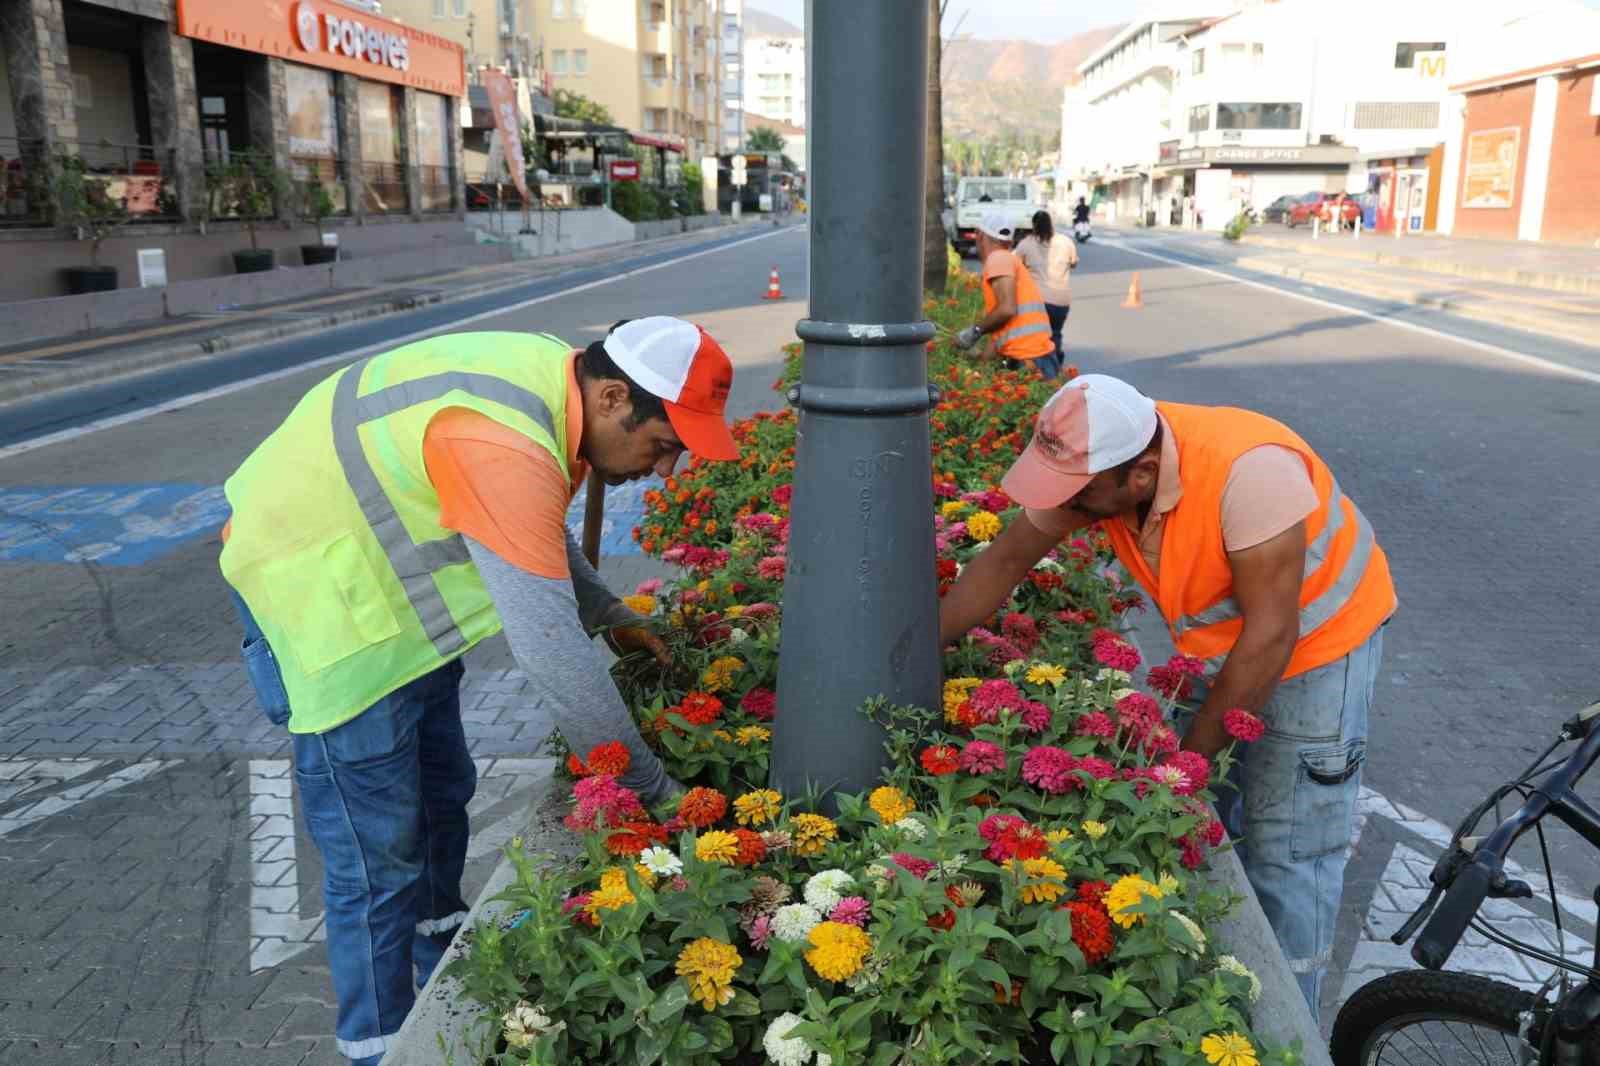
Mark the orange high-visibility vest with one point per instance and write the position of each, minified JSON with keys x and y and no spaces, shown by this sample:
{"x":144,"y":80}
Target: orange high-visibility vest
{"x":1346,"y":593}
{"x":1027,"y":334}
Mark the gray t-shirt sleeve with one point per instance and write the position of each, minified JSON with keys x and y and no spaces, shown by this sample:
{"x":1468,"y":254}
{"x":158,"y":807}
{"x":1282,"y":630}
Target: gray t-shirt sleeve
{"x":568,"y":673}
{"x":598,"y":606}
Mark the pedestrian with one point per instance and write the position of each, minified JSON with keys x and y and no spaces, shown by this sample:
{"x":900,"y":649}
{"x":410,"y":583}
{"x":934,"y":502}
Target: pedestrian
{"x":1264,"y":572}
{"x":411,"y":505}
{"x":1014,"y":315}
{"x":1050,"y":262}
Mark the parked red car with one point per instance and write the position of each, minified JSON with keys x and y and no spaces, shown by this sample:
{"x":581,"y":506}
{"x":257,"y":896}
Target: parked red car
{"x":1321,"y":205}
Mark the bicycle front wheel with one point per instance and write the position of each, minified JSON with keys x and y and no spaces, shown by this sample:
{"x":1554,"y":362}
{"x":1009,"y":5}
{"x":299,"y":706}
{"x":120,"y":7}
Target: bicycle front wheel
{"x":1418,"y":1017}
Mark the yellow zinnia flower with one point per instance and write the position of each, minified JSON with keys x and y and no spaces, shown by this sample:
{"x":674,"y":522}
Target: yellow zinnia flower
{"x":1168,"y":884}
{"x":645,"y":874}
{"x":609,"y":898}
{"x":890,"y":804}
{"x":951,"y":508}
{"x":1095,"y":830}
{"x":983,"y":526}
{"x":1129,"y":891}
{"x":811,"y":833}
{"x":1228,"y":1049}
{"x":1045,"y":880}
{"x":749,"y":733}
{"x":1059,"y":836}
{"x":645,"y":605}
{"x":1045,"y":674}
{"x":735,"y":610}
{"x":720,"y":674}
{"x":956,"y":691}
{"x":708,"y":966}
{"x":758,"y":807}
{"x":837,"y":950}
{"x":717,"y":846}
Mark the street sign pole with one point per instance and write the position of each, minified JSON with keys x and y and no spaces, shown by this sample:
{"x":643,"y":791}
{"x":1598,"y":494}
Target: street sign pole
{"x":860,"y":614}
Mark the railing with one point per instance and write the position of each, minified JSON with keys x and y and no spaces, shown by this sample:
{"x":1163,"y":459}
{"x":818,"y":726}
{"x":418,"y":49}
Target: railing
{"x":140,"y":177}
{"x":436,"y":188}
{"x":332,"y":174}
{"x":383,"y":189}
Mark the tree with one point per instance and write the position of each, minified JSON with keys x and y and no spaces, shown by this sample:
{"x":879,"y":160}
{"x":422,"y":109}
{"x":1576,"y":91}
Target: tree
{"x":764,"y":139}
{"x":934,"y":260}
{"x":578,"y":106}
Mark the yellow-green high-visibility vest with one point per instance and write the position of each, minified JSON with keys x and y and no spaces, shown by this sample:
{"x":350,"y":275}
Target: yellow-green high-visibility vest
{"x":336,"y":545}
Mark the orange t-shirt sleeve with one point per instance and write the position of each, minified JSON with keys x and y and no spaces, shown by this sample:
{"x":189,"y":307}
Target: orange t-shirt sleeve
{"x":499,"y":488}
{"x":1267,"y":491}
{"x":1000,"y":264}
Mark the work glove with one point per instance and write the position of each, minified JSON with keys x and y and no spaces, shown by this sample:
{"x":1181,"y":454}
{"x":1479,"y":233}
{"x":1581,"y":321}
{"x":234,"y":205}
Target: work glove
{"x":968,"y":337}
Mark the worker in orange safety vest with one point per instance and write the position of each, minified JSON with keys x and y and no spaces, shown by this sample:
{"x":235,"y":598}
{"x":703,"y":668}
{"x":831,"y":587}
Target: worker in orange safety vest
{"x":1014,"y":316}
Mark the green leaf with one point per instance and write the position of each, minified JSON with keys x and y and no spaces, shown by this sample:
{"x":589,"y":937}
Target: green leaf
{"x":670,"y":1003}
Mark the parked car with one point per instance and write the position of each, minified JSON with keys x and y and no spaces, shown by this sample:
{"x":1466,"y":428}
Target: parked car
{"x":1278,"y":210}
{"x":1321,"y":205}
{"x":1017,"y":198}
{"x":483,"y":195}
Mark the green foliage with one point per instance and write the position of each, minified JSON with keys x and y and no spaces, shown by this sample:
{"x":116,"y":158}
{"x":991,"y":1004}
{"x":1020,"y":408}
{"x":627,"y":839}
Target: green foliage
{"x":575,"y":105}
{"x":693,"y":188}
{"x":1236,"y":227}
{"x":85,"y":203}
{"x":314,"y":202}
{"x":249,"y":186}
{"x":764,"y":139}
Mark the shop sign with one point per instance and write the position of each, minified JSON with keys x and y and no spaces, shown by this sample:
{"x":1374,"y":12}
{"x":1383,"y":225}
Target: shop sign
{"x":1491,"y":167}
{"x":1167,"y":152}
{"x":624,"y":170}
{"x":508,"y":125}
{"x":317,"y":31}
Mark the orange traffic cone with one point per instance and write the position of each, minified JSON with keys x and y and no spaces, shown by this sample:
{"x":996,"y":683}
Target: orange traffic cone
{"x":1135,"y":297}
{"x":774,"y":290}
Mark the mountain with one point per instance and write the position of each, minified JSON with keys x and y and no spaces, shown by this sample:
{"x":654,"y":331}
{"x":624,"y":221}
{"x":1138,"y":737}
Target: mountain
{"x":996,"y":88}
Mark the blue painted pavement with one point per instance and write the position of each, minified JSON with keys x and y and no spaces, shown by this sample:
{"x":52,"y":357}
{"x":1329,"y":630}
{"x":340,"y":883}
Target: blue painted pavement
{"x":130,"y":525}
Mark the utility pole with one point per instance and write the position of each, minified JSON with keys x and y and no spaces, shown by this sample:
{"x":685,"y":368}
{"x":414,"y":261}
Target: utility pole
{"x":860,"y":616}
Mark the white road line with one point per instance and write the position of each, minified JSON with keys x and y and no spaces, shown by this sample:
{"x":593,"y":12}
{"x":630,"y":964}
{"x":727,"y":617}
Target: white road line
{"x":1428,"y":331}
{"x":71,"y":797}
{"x":35,"y":443}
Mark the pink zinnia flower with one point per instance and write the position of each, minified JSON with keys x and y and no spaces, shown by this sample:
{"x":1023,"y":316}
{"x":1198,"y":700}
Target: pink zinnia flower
{"x":1138,"y":713}
{"x":1051,"y":769}
{"x":945,"y":490}
{"x":760,"y":704}
{"x":773,"y":568}
{"x":1161,"y":740}
{"x":918,"y":868}
{"x":1194,"y":853}
{"x":782,"y":495}
{"x":1020,"y":630}
{"x":674,"y":554}
{"x":758,"y":523}
{"x":1242,"y":725}
{"x":852,"y":910}
{"x":760,"y":931}
{"x":992,"y":697}
{"x":1095,"y":724}
{"x":1035,"y":716}
{"x":761,"y":611}
{"x":573,"y":907}
{"x":1195,"y":767}
{"x":601,"y":803}
{"x":982,"y":757}
{"x":1097,"y":768}
{"x":1213,"y":832}
{"x":648,"y":588}
{"x":995,"y":500}
{"x":1116,"y":653}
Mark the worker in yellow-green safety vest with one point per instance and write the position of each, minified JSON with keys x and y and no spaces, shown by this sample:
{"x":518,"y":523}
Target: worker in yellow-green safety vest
{"x":411,"y":505}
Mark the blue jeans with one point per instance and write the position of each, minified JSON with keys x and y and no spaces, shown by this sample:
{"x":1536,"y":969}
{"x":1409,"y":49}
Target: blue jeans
{"x":1057,"y":313}
{"x":384,"y":797}
{"x":1048,"y":366}
{"x":1293,"y":807}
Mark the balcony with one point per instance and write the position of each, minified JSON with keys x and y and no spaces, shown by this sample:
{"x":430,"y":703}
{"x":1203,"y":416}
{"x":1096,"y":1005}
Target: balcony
{"x":139,"y":177}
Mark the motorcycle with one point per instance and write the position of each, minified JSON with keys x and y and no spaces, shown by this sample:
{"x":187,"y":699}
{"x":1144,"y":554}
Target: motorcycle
{"x":1080,"y":231}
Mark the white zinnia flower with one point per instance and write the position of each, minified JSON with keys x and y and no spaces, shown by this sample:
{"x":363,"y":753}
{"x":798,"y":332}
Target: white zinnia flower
{"x":794,"y":923}
{"x":661,"y":862}
{"x":824,"y":890}
{"x":911,"y":828}
{"x":786,"y":1051}
{"x":738,"y":636}
{"x":526,"y":1023}
{"x":1190,"y":927}
{"x":1013,"y":668}
{"x":1120,"y":693}
{"x":1234,"y":966}
{"x":952,"y":866}
{"x":878,"y":874}
{"x":1120,"y":677}
{"x":1079,"y":1015}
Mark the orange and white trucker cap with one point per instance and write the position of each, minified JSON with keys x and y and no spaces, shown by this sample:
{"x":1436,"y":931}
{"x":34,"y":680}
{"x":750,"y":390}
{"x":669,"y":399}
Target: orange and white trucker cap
{"x":1091,"y":424}
{"x":683,"y":365}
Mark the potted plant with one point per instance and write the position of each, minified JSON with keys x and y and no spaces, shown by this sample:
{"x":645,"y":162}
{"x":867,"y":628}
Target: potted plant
{"x":250,"y":187}
{"x":85,"y":203}
{"x":316,"y":204}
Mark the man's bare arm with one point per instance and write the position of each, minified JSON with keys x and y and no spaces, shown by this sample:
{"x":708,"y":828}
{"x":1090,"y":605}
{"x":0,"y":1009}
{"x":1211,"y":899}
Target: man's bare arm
{"x":989,"y":578}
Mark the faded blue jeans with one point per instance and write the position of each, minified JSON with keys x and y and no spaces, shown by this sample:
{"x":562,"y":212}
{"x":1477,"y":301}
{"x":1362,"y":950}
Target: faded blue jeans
{"x":1293,"y":807}
{"x":384,"y":798}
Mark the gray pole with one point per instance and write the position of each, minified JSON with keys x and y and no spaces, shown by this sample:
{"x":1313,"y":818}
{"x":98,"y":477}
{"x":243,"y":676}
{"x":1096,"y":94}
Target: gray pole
{"x":860,"y":615}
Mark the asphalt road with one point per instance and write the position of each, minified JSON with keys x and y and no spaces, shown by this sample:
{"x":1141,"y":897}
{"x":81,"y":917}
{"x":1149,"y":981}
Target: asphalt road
{"x":145,"y":824}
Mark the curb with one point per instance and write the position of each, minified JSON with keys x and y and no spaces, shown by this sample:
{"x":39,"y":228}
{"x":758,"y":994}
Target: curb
{"x":1551,"y":281}
{"x":196,"y":350}
{"x":1499,"y":314}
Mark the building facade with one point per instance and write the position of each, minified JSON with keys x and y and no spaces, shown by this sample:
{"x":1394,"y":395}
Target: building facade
{"x":656,"y":65}
{"x":775,"y":69}
{"x":732,"y":75}
{"x":152,"y":98}
{"x":493,"y":33}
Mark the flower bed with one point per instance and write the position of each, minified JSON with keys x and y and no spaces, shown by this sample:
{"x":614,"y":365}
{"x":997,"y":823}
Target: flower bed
{"x":1023,"y":887}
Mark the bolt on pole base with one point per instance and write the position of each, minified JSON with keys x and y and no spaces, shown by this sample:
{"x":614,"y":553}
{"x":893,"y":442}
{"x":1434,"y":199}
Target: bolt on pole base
{"x":860,"y":617}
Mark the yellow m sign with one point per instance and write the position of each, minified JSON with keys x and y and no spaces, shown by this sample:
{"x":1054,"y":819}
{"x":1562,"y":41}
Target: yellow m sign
{"x":1430,"y":64}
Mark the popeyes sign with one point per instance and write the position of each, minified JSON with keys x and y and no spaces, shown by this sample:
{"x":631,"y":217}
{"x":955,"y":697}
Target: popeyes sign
{"x":324,"y":33}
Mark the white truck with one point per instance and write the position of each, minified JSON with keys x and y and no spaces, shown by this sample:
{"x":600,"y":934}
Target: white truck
{"x":1018,"y":198}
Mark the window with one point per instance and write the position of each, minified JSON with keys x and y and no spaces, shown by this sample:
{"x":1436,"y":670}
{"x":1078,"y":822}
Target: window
{"x":459,"y":9}
{"x":1199,"y":118}
{"x":558,"y":61}
{"x":1257,"y":54}
{"x":558,"y":9}
{"x":1258,"y":116}
{"x":579,"y":8}
{"x":1198,"y":65}
{"x":1405,"y":53}
{"x":1420,"y":115}
{"x":438,"y":9}
{"x":580,"y":61}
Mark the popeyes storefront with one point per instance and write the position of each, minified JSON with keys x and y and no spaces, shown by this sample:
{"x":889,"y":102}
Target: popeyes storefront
{"x":360,"y":102}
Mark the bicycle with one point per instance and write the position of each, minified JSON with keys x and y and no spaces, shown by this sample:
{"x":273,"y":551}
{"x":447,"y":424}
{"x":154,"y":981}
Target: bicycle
{"x":1427,"y":1010}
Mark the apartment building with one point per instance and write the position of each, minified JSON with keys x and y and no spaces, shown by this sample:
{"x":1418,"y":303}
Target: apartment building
{"x":774,"y":68}
{"x":732,"y":75}
{"x":492,"y":33}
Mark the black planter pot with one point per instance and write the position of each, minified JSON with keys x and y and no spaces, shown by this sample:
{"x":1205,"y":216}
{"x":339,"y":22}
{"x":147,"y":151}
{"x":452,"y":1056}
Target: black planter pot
{"x":313,"y":254}
{"x":254,"y":260}
{"x":90,"y":279}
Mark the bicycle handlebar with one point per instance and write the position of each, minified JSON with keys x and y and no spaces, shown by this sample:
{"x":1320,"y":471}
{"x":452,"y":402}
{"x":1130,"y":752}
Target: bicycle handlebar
{"x":1450,"y":919}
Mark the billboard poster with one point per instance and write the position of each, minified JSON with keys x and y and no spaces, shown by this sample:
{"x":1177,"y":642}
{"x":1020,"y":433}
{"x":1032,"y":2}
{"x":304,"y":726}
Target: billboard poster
{"x":1491,"y":167}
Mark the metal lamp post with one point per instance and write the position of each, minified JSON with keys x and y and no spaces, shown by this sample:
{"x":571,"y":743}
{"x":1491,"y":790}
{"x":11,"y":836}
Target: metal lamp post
{"x":860,"y":601}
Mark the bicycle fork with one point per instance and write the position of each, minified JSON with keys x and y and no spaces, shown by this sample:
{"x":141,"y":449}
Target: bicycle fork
{"x":1577,"y":1016}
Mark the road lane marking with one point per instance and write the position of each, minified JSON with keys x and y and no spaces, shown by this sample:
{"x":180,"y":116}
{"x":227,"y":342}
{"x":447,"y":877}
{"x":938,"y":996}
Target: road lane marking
{"x":1482,"y":346}
{"x":67,"y":798}
{"x":61,"y":436}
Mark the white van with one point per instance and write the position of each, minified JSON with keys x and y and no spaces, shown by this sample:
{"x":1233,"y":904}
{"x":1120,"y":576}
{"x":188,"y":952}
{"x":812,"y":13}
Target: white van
{"x":1018,"y":198}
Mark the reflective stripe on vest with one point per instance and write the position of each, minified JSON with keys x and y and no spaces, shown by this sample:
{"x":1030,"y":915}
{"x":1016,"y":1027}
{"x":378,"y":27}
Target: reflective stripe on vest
{"x":415,"y":563}
{"x":1033,"y":307}
{"x":1335,"y":596}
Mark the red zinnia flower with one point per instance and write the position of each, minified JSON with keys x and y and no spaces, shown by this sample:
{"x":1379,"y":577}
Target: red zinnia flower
{"x":702,"y":807}
{"x":609,"y":758}
{"x":1022,"y":842}
{"x":946,"y":920}
{"x":752,"y":849}
{"x":699,"y":708}
{"x":1242,"y":725}
{"x":940,"y":760}
{"x":1091,"y":930}
{"x":1093,"y":892}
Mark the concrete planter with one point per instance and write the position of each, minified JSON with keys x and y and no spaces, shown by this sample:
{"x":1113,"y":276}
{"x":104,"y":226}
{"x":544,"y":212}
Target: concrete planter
{"x":439,"y":1030}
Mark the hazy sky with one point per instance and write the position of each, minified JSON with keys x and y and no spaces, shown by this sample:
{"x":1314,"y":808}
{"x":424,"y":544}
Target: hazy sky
{"x":1044,"y":21}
